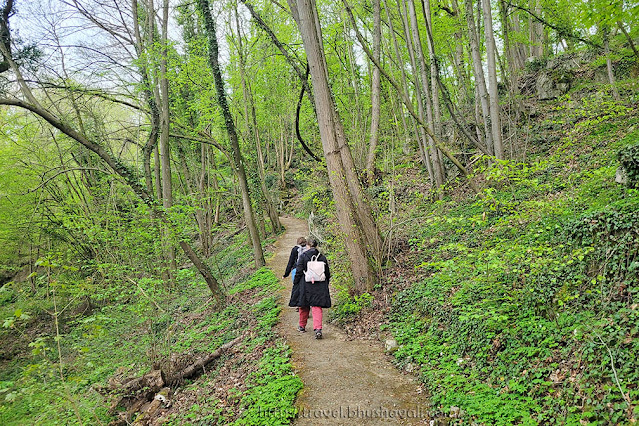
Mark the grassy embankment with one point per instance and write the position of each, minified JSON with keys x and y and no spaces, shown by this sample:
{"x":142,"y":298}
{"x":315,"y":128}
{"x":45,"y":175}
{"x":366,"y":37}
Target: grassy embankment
{"x":143,"y":325}
{"x":525,"y":309}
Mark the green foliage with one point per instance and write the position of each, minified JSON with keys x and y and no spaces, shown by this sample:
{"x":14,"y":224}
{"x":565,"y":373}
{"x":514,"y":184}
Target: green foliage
{"x":263,"y":278}
{"x":348,"y":306}
{"x":127,"y":337}
{"x":527,"y":304}
{"x":272,"y":390}
{"x":629,"y":159}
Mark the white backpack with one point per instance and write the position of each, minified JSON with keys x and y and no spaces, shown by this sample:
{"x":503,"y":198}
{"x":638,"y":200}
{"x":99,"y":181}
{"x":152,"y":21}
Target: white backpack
{"x":315,"y":270}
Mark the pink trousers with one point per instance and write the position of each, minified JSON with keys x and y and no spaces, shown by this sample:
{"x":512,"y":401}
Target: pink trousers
{"x":317,"y":317}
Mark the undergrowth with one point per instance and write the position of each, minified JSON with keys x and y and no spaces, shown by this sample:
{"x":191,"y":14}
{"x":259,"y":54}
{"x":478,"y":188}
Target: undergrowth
{"x":62,"y":378}
{"x":527,"y":308}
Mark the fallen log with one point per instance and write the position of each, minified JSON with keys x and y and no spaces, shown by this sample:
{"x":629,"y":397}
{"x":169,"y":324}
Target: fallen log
{"x":136,"y":393}
{"x":197,"y":367}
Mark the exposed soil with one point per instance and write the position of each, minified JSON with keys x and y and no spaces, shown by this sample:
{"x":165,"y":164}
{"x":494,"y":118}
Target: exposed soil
{"x":345,"y":381}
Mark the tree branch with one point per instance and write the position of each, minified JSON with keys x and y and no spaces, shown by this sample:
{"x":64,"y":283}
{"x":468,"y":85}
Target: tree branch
{"x":297,"y":121}
{"x":561,"y":31}
{"x":407,"y":103}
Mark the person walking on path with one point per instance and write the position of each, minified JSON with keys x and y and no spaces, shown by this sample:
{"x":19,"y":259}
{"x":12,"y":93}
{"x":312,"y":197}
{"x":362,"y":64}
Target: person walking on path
{"x":296,"y":253}
{"x":312,"y":294}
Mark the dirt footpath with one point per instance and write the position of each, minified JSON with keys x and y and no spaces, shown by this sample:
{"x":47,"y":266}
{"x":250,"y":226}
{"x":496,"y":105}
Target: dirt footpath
{"x":345,"y":382}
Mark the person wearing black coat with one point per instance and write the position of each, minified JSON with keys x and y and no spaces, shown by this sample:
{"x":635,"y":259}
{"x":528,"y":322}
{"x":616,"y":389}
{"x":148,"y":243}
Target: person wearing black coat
{"x":311,"y":295}
{"x":294,"y":257}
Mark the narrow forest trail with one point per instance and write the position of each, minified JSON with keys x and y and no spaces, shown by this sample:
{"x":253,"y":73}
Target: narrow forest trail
{"x":345,"y":382}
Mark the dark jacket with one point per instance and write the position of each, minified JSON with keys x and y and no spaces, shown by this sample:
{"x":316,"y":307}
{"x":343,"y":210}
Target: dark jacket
{"x":306,"y":293}
{"x":292,"y":260}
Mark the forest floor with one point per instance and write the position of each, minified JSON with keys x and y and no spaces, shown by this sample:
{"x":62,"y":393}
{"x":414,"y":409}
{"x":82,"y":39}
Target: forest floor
{"x":345,"y":381}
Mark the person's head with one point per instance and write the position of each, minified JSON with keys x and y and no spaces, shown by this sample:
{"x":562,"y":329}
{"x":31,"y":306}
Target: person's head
{"x":312,"y":242}
{"x":301,"y":241}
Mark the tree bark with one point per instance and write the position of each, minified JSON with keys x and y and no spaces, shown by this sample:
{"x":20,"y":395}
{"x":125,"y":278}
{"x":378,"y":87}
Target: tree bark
{"x":491,"y":52}
{"x":611,"y":74}
{"x":478,"y":71}
{"x":209,"y":24}
{"x":154,"y":114}
{"x":333,"y":143}
{"x":251,"y":123}
{"x":631,"y":43}
{"x":434,"y":72}
{"x":438,"y":170}
{"x":376,"y":89}
{"x":165,"y":151}
{"x":422,"y":132}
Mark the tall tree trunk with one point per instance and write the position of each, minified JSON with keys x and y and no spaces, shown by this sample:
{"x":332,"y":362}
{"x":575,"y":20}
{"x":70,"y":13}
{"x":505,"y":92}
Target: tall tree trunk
{"x":333,"y":143}
{"x":491,"y":52}
{"x":519,"y":47}
{"x":209,"y":24}
{"x":358,"y":123}
{"x":251,"y":123}
{"x":631,"y":43}
{"x":376,"y":88}
{"x":458,"y":57}
{"x":478,"y":71}
{"x":434,"y":73}
{"x":438,"y":170}
{"x":406,"y":148}
{"x":204,"y":203}
{"x":508,"y":46}
{"x":149,"y":146}
{"x":423,"y":137}
{"x":536,"y":31}
{"x":165,"y":152}
{"x":216,"y":189}
{"x":611,"y":74}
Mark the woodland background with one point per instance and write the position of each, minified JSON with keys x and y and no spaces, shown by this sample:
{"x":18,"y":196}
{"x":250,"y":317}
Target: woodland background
{"x":469,"y":167}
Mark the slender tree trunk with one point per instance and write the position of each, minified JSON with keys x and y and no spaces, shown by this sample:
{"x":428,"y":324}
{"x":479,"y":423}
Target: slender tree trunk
{"x":536,"y":31}
{"x":251,"y":123}
{"x":631,"y":43}
{"x":460,"y":67}
{"x":611,"y":74}
{"x":491,"y":52}
{"x":216,"y":189}
{"x":165,"y":152}
{"x":152,"y":141}
{"x":376,"y":88}
{"x":434,"y":73}
{"x":205,"y":203}
{"x":438,"y":170}
{"x":358,"y":124}
{"x":157,"y":172}
{"x":480,"y":82}
{"x":423,"y":137}
{"x":519,"y":47}
{"x":333,"y":143}
{"x":249,"y":216}
{"x":407,"y":145}
{"x":508,"y":47}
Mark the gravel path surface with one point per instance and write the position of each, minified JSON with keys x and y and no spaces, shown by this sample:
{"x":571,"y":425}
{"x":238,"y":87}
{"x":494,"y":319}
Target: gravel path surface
{"x":345,"y":382}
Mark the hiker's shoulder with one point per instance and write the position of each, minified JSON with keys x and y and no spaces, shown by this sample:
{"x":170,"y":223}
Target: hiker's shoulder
{"x":311,"y":252}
